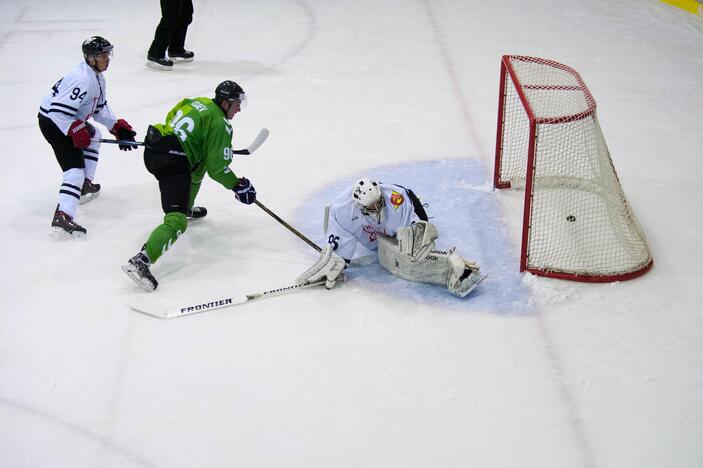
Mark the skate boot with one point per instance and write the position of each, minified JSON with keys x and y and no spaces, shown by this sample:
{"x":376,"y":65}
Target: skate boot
{"x":159,"y":63}
{"x":184,"y":56}
{"x":196,"y":212}
{"x":463,"y":277}
{"x":137,"y":268}
{"x":63,"y":225}
{"x":89,"y":191}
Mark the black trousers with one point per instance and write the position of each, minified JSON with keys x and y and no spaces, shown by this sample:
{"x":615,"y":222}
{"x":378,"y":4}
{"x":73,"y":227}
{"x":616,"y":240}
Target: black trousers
{"x":68,"y":156}
{"x":172,"y":170}
{"x":176,"y":15}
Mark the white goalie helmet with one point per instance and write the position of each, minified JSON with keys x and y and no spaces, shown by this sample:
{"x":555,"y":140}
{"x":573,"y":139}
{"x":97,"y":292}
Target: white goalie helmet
{"x":367,"y":194}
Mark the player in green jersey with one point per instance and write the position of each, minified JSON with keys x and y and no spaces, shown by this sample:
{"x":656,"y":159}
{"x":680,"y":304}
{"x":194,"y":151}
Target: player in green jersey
{"x":196,"y":138}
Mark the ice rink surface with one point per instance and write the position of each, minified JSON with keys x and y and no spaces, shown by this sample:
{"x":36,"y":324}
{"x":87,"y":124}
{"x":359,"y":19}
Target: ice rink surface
{"x":525,"y":372}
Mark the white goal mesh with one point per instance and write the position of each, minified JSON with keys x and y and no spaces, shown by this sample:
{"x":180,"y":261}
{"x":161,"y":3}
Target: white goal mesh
{"x":578,"y":223}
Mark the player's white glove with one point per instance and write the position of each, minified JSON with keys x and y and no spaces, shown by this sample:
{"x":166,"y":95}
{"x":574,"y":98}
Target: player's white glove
{"x":417,"y":240}
{"x":330,"y":266}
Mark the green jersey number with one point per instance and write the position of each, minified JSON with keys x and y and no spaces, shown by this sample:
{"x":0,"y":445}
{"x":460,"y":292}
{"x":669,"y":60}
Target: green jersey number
{"x":182,"y":126}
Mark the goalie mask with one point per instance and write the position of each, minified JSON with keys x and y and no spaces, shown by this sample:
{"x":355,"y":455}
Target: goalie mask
{"x":367,"y":194}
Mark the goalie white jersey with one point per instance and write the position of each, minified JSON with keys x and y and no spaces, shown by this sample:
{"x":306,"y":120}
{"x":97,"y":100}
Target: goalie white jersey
{"x":79,"y":95}
{"x":348,"y":226}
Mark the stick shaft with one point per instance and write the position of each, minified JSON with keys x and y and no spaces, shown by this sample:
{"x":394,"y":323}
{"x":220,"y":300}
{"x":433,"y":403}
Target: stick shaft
{"x":121,"y":142}
{"x":288,"y":226}
{"x":258,"y":141}
{"x":360,"y":261}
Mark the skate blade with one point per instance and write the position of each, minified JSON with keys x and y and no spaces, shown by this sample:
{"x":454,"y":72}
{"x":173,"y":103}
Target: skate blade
{"x":60,"y":234}
{"x":471,"y":285}
{"x":144,"y":283}
{"x":88,"y":197}
{"x":156,"y":66}
{"x":176,"y":60}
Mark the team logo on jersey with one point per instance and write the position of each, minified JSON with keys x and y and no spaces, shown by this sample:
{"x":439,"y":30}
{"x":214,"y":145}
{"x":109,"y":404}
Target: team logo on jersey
{"x":370,"y":231}
{"x":396,"y":199}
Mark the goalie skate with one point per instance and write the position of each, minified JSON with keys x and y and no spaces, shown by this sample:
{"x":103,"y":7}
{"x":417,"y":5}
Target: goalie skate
{"x":468,"y":284}
{"x":138,"y":269}
{"x":464,"y":275}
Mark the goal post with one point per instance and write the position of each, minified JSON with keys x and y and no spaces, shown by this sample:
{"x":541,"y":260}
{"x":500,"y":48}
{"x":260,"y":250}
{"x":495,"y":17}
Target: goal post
{"x":577,"y":222}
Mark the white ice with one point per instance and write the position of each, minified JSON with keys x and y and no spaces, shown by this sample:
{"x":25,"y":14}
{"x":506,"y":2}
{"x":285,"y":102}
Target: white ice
{"x":525,"y":372}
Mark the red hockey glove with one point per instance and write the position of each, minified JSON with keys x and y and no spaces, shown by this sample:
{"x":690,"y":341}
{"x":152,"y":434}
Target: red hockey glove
{"x":79,"y":132}
{"x":123,"y":132}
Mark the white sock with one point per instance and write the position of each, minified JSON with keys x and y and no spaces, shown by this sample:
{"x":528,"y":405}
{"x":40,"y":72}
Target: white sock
{"x":70,"y":191}
{"x":91,"y":155}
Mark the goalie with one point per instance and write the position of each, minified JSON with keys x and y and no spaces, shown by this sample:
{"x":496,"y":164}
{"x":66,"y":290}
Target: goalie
{"x":388,"y":218}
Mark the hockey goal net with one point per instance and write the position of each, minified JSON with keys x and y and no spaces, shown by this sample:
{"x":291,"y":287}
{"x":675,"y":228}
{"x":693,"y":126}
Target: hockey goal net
{"x":577,"y":223}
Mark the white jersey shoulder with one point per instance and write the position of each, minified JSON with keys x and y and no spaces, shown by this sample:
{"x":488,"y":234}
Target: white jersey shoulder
{"x":79,"y":95}
{"x":348,"y":226}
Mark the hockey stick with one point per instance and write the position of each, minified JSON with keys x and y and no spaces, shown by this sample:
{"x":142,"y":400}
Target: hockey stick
{"x":288,"y":226}
{"x":258,"y":141}
{"x":360,"y":261}
{"x":216,"y":304}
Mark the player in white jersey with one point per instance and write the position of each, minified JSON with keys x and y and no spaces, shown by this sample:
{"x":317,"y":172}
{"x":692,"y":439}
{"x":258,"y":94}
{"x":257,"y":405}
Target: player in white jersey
{"x":388,"y":218}
{"x":63,"y":120}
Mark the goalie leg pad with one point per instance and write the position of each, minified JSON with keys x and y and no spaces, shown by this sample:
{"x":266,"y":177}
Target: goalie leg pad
{"x":448,"y":269}
{"x":330,"y":266}
{"x":432,"y":268}
{"x":417,"y":240}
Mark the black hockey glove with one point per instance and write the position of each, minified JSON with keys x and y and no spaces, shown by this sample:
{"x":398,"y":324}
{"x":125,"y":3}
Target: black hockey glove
{"x":123,"y":131}
{"x":244,"y":191}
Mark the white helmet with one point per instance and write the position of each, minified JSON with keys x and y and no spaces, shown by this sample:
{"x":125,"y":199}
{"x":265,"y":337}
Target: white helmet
{"x":367,"y":194}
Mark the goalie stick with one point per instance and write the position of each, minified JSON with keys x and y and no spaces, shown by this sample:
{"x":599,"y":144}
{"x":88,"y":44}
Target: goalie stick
{"x":216,"y":304}
{"x":258,"y":141}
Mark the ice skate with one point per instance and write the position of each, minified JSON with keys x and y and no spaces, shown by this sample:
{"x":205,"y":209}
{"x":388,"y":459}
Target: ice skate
{"x":63,"y":226}
{"x":159,"y":63}
{"x":464,"y":275}
{"x":181,"y":57}
{"x":137,"y":268}
{"x":89,"y":191}
{"x":196,"y":212}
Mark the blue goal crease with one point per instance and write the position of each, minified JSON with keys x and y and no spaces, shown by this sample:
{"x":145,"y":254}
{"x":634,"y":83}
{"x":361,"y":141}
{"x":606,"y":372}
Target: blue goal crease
{"x":461,"y":203}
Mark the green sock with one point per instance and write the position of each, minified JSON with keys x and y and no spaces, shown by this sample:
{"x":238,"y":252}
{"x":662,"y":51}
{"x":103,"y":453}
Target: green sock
{"x":165,"y":235}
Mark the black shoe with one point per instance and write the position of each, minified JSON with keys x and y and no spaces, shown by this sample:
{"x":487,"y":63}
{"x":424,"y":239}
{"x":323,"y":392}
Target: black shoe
{"x":196,"y":212}
{"x":63,"y":224}
{"x":137,"y":268}
{"x":183,"y":56}
{"x":158,"y":63}
{"x":89,"y":191}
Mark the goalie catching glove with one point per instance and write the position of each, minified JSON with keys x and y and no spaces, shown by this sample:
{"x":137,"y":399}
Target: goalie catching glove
{"x":330,"y":266}
{"x":417,"y":240}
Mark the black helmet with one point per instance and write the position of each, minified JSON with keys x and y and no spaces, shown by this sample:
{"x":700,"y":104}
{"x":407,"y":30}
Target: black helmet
{"x":227,"y":91}
{"x":95,"y":45}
